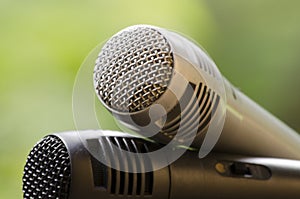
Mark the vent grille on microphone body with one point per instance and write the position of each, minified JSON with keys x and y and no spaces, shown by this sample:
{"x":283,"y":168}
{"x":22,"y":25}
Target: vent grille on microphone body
{"x":116,"y":182}
{"x":196,"y":115}
{"x":47,"y":172}
{"x":133,"y":69}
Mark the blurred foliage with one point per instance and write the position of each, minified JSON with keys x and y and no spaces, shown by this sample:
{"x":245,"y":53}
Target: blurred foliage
{"x":256,"y":45}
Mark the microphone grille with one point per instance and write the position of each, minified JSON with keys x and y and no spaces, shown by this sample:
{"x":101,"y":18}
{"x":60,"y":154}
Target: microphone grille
{"x":133,"y":69}
{"x":47,"y":172}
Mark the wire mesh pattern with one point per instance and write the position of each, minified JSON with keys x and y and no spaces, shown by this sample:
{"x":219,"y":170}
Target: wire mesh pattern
{"x":133,"y":69}
{"x":47,"y":172}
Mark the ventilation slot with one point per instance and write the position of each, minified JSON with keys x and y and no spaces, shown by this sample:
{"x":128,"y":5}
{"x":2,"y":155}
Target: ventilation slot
{"x":233,"y":93}
{"x":148,"y":183}
{"x":113,"y":181}
{"x":99,"y":173}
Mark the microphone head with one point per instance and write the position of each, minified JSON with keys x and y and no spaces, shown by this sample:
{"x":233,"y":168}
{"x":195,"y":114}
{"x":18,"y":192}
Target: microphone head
{"x":47,"y":172}
{"x":133,"y":69}
{"x":144,"y":66}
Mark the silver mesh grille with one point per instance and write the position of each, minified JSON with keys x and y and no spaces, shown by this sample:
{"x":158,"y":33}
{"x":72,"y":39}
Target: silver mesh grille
{"x":133,"y":69}
{"x":47,"y":172}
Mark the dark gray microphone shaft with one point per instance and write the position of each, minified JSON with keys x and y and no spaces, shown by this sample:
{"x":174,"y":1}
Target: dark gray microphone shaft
{"x":61,"y":166}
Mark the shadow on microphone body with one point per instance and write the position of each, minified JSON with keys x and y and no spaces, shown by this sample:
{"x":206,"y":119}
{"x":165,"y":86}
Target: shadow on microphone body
{"x":61,"y":166}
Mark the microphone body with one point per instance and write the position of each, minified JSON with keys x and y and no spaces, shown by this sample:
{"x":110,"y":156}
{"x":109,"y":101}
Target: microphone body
{"x":62,"y":166}
{"x":251,"y":130}
{"x":144,"y":67}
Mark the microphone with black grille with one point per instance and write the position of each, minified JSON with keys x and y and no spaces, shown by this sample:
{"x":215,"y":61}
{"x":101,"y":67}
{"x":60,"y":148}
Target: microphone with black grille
{"x":163,"y":86}
{"x":73,"y":165}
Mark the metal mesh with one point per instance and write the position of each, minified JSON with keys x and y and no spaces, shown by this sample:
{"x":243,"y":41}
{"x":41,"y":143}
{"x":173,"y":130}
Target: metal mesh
{"x":47,"y":172}
{"x":133,"y":69}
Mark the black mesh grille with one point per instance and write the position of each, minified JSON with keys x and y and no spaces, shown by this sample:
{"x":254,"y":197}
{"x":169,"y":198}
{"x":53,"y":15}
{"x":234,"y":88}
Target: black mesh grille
{"x":47,"y":172}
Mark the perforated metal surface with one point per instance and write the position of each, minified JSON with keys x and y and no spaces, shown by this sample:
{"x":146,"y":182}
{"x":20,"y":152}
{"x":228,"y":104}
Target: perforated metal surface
{"x":133,"y":69}
{"x":47,"y":171}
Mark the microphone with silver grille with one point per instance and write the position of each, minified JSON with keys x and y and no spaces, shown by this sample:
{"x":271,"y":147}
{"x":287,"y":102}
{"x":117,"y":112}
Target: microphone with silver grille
{"x":90,"y":164}
{"x":163,"y":86}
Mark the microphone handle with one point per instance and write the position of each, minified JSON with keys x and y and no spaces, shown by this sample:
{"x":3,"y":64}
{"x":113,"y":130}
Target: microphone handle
{"x":224,"y":176}
{"x":251,"y":130}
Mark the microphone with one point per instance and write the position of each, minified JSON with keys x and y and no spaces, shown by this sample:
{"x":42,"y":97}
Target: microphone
{"x":163,"y":86}
{"x":73,"y":165}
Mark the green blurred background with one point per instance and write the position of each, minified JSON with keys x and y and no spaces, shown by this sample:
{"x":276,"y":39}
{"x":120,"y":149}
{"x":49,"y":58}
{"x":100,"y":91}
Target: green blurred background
{"x":256,"y":45}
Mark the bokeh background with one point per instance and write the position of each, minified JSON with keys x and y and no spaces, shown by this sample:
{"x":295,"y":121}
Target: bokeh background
{"x":256,"y":45}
